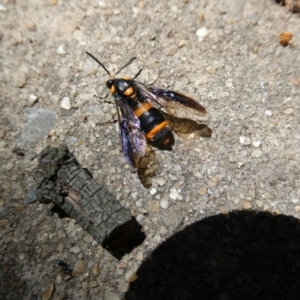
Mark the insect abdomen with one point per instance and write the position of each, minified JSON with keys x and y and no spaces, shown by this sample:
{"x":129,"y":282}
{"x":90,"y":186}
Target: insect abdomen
{"x":155,"y":126}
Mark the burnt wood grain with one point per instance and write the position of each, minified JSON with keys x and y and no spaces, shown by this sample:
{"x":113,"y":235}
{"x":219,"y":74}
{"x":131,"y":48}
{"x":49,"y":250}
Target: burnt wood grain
{"x":61,"y":180}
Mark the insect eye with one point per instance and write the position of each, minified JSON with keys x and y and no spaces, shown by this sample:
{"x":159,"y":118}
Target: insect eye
{"x":111,"y":86}
{"x":109,"y":83}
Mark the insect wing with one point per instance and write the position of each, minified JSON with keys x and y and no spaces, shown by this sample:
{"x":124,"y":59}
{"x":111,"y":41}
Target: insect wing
{"x":172,"y":102}
{"x":127,"y":148}
{"x":133,"y":140}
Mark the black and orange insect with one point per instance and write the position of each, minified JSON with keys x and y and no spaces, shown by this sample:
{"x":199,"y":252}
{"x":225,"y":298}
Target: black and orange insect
{"x":140,"y":119}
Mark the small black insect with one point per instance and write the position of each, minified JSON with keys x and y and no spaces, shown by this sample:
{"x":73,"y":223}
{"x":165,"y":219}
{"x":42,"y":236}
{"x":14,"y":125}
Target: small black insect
{"x":140,"y":120}
{"x":65,"y":267}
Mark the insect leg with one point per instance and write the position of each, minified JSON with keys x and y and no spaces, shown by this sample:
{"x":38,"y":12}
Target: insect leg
{"x":156,"y":78}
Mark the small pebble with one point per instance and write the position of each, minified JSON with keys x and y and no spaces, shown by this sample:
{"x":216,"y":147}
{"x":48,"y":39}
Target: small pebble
{"x":9,"y":166}
{"x":201,"y":16}
{"x":235,"y":200}
{"x":256,"y":144}
{"x":95,"y":270}
{"x":210,"y":69}
{"x":93,"y":284}
{"x":99,"y":252}
{"x":175,"y":195}
{"x":153,"y":206}
{"x":52,"y":2}
{"x":65,"y":103}
{"x":247,"y":204}
{"x":268,"y":113}
{"x":90,"y":264}
{"x":2,"y":144}
{"x":75,"y":249}
{"x":78,"y":268}
{"x":30,"y":25}
{"x":139,"y":203}
{"x":21,"y":256}
{"x":259,"y":203}
{"x":197,"y":174}
{"x":202,"y":191}
{"x":88,"y":239}
{"x":52,"y":132}
{"x":240,"y":164}
{"x":173,"y":177}
{"x":181,"y":43}
{"x":30,"y":196}
{"x":140,"y":217}
{"x":60,"y":247}
{"x":164,"y":203}
{"x":288,"y":111}
{"x":130,"y":276}
{"x":202,"y":33}
{"x":245,"y":140}
{"x":59,"y":279}
{"x":139,"y":256}
{"x":153,"y":191}
{"x":48,"y":292}
{"x":60,"y":49}
{"x":108,"y":295}
{"x":160,"y":181}
{"x":255,"y":49}
{"x":297,"y":208}
{"x":173,"y":219}
{"x":223,"y":210}
{"x":32,"y":99}
{"x":123,"y":286}
{"x":285,"y":38}
{"x":2,"y":8}
{"x":119,"y":272}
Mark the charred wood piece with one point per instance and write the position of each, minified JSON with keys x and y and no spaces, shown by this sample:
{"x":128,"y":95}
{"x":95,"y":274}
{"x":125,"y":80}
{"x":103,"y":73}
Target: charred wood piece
{"x":61,"y":180}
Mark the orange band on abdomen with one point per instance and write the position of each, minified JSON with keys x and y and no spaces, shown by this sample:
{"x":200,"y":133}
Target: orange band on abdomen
{"x":156,"y":129}
{"x":143,"y":107}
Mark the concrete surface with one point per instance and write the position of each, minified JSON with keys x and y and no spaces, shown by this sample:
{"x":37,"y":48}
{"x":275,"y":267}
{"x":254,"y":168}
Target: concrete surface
{"x":224,"y":54}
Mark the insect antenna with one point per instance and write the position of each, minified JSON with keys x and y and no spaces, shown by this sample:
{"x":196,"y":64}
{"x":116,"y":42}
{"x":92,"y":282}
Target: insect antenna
{"x":126,"y":65}
{"x":137,"y":74}
{"x":100,"y":63}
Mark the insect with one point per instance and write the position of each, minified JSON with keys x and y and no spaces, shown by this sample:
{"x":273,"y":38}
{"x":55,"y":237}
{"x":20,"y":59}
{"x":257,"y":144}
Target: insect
{"x":65,"y":267}
{"x":140,"y":119}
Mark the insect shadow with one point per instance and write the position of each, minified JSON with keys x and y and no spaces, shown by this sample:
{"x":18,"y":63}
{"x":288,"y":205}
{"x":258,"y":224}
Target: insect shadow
{"x":183,"y":126}
{"x":148,"y":166}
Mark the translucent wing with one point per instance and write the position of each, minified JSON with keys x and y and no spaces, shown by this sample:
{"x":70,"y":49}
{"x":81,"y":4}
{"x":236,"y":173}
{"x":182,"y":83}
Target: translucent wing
{"x":133,"y":140}
{"x":172,"y":102}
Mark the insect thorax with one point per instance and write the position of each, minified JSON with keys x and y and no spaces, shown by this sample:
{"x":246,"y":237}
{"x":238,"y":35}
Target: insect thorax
{"x":122,"y":85}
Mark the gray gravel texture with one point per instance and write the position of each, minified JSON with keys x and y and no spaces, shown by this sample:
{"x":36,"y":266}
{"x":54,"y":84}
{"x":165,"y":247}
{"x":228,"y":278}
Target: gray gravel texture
{"x":226,"y":54}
